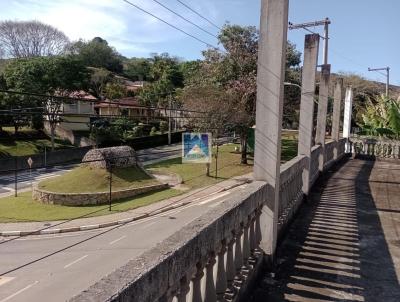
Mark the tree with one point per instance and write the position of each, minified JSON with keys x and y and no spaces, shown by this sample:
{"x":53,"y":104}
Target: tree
{"x":97,"y":53}
{"x":225,"y":83}
{"x":23,"y":39}
{"x":99,"y":78}
{"x":115,"y":90}
{"x":363,"y":91}
{"x":166,"y":77}
{"x":53,"y":76}
{"x":138,"y":69}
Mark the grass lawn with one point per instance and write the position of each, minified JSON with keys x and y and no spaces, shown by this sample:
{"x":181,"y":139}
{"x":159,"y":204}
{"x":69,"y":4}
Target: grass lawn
{"x":29,"y":147}
{"x":194,"y":175}
{"x":84,"y":179}
{"x":23,"y":208}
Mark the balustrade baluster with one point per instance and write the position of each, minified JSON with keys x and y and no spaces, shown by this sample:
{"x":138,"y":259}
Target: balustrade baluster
{"x":253,"y":240}
{"x":221,"y":282}
{"x":184,"y":289}
{"x":210,"y":294}
{"x":197,"y":295}
{"x":230,"y":264}
{"x":258,"y":226}
{"x":246,"y":241}
{"x":238,"y":250}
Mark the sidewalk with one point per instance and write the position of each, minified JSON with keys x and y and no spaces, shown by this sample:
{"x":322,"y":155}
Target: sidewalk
{"x":344,"y":243}
{"x":81,"y":224}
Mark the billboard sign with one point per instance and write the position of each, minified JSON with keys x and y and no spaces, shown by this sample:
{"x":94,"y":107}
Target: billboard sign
{"x":196,"y":147}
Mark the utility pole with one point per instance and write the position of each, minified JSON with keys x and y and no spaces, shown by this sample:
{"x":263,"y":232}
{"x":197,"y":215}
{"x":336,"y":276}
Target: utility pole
{"x":306,"y":25}
{"x":387,"y":69}
{"x":169,"y":120}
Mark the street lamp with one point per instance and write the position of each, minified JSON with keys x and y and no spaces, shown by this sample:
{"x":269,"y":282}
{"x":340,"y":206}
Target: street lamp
{"x":387,"y":69}
{"x":298,"y":86}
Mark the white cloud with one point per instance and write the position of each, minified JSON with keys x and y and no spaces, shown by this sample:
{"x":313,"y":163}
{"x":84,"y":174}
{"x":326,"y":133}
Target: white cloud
{"x":125,"y":27}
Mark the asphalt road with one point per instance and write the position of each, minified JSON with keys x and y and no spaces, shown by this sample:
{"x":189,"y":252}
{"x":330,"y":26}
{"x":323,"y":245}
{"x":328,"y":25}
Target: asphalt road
{"x":26,"y":178}
{"x":57,"y":267}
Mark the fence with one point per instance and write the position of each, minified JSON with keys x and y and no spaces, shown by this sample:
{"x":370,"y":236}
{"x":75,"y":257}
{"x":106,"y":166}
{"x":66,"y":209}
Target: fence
{"x":43,"y":160}
{"x":373,"y":148}
{"x":220,"y":250}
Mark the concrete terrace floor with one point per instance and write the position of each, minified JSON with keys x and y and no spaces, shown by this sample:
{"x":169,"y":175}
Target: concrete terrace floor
{"x":344,"y":244}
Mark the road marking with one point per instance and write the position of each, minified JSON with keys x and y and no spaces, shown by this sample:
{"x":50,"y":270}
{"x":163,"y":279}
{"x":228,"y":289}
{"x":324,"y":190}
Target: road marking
{"x":73,"y":262}
{"x":4,"y":280}
{"x":116,"y":240}
{"x":18,"y":292}
{"x":213,"y":198}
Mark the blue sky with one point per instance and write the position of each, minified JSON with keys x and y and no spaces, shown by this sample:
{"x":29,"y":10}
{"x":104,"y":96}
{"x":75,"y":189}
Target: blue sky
{"x":364,"y":33}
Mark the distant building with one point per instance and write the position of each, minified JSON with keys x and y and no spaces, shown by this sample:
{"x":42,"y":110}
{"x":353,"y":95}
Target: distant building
{"x":128,"y":106}
{"x":77,"y":112}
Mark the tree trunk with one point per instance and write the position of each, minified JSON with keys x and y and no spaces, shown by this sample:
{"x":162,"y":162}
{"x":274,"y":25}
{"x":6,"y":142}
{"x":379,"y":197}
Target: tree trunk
{"x":243,"y":143}
{"x":16,"y":127}
{"x":52,"y":133}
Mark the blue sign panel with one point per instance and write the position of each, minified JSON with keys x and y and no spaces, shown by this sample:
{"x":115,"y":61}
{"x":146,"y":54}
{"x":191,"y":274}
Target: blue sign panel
{"x":196,"y":147}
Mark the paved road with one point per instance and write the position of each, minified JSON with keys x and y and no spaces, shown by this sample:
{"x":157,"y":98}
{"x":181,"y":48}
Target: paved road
{"x":60,"y":266}
{"x":25,"y":178}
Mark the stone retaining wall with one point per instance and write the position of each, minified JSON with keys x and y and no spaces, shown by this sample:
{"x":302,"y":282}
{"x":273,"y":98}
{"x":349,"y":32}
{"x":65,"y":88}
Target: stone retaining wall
{"x":78,"y":199}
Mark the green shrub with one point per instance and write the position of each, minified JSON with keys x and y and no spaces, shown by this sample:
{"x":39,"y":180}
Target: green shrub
{"x":153,"y":131}
{"x":163,"y":127}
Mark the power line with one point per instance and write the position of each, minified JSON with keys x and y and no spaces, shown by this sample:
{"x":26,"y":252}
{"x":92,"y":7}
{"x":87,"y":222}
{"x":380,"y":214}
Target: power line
{"x":200,"y":15}
{"x":184,"y":18}
{"x":169,"y":24}
{"x":66,"y":98}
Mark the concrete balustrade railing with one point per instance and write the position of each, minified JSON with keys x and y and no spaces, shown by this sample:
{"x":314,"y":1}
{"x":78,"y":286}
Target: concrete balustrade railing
{"x":375,"y":147}
{"x":314,"y":167}
{"x":291,"y":193}
{"x":329,"y":153}
{"x":211,"y":259}
{"x":217,"y":256}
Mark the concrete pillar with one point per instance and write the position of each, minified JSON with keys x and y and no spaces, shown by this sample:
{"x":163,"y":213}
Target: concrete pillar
{"x":348,"y":107}
{"x":311,"y":45}
{"x":270,"y":78}
{"x":337,"y":104}
{"x":322,"y":111}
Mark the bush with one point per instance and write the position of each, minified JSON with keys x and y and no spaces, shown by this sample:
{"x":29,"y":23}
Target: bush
{"x":37,"y":122}
{"x":153,"y":131}
{"x":163,"y":127}
{"x":136,"y":131}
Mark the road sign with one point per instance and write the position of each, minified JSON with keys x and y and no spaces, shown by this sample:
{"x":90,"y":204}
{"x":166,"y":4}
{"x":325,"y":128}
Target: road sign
{"x":196,"y":147}
{"x":30,"y":162}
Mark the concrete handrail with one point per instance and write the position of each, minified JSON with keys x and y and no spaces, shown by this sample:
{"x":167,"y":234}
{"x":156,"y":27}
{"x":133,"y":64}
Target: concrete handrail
{"x":291,"y":193}
{"x":164,"y":272}
{"x":225,"y":240}
{"x":375,"y":147}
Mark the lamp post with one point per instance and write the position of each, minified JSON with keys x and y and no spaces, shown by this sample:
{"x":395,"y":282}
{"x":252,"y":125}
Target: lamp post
{"x":387,"y":69}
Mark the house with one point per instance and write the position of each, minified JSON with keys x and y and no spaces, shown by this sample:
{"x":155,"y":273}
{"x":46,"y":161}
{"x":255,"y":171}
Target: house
{"x":128,"y":106}
{"x":73,"y":118}
{"x":75,"y":113}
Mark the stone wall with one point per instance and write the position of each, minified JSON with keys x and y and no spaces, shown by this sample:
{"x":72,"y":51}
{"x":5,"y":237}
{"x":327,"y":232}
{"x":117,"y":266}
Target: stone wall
{"x":78,"y":199}
{"x":122,"y":156}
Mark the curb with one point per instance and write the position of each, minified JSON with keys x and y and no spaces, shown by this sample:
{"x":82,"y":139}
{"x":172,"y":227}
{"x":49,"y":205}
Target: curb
{"x":49,"y":230}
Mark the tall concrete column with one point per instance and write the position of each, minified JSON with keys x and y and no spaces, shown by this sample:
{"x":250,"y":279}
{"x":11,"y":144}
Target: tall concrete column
{"x":337,"y":104}
{"x":322,"y":111}
{"x":311,"y":45}
{"x":270,"y":78}
{"x":348,"y":108}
